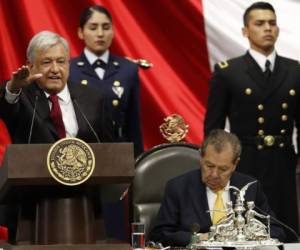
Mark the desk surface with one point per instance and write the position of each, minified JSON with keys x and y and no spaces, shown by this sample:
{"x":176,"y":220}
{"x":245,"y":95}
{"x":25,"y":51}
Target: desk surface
{"x":288,"y":246}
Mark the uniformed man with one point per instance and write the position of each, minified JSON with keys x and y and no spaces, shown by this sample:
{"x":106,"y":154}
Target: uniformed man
{"x":117,"y":77}
{"x":259,"y":93}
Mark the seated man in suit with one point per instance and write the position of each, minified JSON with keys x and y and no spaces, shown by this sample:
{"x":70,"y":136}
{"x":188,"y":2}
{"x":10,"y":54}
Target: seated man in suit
{"x":39,"y":106}
{"x":188,"y":197}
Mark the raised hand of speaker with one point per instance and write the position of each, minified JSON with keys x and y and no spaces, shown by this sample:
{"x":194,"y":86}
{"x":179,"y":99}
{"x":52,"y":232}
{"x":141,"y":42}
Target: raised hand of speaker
{"x":21,"y":78}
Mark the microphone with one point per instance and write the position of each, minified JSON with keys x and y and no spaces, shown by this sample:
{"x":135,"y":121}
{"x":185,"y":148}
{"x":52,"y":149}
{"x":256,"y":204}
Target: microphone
{"x":37,"y":94}
{"x":195,"y":228}
{"x":86,"y":120}
{"x":280,"y":223}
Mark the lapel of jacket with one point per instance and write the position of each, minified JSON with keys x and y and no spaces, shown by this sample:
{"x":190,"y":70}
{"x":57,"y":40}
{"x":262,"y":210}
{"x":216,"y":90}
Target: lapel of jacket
{"x":42,"y":106}
{"x":112,"y":67}
{"x":87,"y":67}
{"x":254,"y":71}
{"x":200,"y":201}
{"x":232,"y":191}
{"x":277,"y":77}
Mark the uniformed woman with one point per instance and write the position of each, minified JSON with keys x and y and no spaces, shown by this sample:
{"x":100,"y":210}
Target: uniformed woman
{"x":117,"y":77}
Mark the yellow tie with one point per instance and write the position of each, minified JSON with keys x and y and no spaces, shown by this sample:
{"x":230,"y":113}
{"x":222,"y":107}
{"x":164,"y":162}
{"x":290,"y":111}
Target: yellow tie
{"x":219,"y":205}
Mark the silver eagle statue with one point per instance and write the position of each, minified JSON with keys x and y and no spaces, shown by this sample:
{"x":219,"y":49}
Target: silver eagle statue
{"x":242,"y":227}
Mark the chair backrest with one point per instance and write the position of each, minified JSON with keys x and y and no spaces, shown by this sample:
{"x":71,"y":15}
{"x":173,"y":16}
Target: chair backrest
{"x":153,"y":169}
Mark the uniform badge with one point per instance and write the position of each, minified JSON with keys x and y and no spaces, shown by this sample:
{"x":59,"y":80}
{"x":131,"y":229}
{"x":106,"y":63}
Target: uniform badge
{"x":118,"y":90}
{"x":80,"y":63}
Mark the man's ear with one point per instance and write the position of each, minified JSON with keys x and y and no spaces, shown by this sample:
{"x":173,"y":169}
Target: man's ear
{"x":201,"y":159}
{"x":30,"y":65}
{"x":245,"y":32}
{"x":236,"y":162}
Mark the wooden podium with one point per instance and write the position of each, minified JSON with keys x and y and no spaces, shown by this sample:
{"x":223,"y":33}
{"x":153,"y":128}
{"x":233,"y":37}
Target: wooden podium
{"x":52,"y":213}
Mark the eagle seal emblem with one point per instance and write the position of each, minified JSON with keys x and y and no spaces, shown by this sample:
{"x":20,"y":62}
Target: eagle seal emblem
{"x":70,"y":161}
{"x":174,"y":128}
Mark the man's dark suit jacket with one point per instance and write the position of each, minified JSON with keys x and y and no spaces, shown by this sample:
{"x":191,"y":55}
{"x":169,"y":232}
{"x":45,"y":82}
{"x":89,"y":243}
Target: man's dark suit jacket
{"x":185,"y":203}
{"x":18,"y":116}
{"x":256,"y":108}
{"x":125,"y":109}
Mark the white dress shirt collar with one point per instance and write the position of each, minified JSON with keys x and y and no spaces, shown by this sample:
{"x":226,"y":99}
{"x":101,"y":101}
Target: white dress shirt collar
{"x":225,"y":188}
{"x":63,"y":95}
{"x":91,"y":57}
{"x":261,"y":59}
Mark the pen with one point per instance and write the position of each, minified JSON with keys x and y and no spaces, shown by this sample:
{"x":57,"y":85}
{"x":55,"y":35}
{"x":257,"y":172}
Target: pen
{"x":124,"y":194}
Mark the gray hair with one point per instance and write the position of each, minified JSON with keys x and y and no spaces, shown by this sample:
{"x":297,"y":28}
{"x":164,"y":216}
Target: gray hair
{"x":44,"y":40}
{"x":220,"y":139}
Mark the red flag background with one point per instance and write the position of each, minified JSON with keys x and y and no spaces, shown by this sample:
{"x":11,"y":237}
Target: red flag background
{"x":168,"y":33}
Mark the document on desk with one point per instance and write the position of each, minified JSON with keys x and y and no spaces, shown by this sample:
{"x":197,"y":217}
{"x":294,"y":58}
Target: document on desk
{"x":288,"y":246}
{"x":292,"y":246}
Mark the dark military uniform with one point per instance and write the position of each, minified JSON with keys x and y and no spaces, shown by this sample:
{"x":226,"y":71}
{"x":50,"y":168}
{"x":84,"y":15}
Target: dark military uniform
{"x":121,"y":87}
{"x":262,"y":113}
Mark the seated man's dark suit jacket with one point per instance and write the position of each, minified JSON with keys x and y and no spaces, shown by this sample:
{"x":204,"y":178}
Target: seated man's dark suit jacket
{"x":18,"y":116}
{"x":185,"y":203}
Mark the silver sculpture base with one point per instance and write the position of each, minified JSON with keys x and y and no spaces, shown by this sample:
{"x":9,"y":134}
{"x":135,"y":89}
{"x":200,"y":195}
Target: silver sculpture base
{"x":241,"y":245}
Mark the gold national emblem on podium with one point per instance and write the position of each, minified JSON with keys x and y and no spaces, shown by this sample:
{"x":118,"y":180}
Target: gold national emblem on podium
{"x":71,"y":161}
{"x":174,"y":128}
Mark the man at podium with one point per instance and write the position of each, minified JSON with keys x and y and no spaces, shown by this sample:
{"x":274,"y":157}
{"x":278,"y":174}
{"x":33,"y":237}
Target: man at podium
{"x":39,"y":106}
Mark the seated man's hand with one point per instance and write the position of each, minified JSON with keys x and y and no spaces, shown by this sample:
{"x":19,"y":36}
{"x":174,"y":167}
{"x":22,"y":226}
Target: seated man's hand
{"x":203,"y":236}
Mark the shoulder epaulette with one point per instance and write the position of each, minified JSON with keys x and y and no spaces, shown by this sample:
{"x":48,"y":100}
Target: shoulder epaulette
{"x":141,"y":62}
{"x":223,"y":64}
